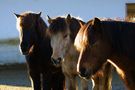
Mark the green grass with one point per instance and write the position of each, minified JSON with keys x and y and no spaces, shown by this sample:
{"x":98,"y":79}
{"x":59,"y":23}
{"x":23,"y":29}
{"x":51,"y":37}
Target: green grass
{"x":11,"y":41}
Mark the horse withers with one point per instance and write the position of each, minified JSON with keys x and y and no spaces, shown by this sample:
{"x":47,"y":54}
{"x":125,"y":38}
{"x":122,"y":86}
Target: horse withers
{"x":62,"y":31}
{"x":35,"y":45}
{"x":108,"y":41}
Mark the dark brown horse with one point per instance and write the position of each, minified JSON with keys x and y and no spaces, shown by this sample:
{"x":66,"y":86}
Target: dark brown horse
{"x":62,"y":31}
{"x":35,"y":45}
{"x":108,"y":41}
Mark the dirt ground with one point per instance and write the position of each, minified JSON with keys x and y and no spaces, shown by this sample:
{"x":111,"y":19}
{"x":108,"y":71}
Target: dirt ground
{"x":14,"y":77}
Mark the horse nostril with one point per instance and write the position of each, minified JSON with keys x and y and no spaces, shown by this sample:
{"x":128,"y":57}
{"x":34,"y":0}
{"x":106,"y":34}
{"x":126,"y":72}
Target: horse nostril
{"x":56,"y":61}
{"x":53,"y":60}
{"x":59,"y":59}
{"x":83,"y":72}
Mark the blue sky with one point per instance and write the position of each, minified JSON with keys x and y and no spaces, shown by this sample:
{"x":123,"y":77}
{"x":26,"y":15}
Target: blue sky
{"x":86,"y":9}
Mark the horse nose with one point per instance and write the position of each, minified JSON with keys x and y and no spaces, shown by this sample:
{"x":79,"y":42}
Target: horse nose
{"x":23,"y":46}
{"x":83,"y":72}
{"x":59,"y":59}
{"x":56,"y":61}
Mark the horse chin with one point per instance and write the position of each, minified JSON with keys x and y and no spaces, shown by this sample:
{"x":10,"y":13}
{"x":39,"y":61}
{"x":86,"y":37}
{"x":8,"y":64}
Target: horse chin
{"x":25,"y":53}
{"x":87,"y":77}
{"x":57,"y":65}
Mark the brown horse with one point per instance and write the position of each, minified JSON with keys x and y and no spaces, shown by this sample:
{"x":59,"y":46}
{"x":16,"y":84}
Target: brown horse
{"x":62,"y":32}
{"x":108,"y":41}
{"x":35,"y":45}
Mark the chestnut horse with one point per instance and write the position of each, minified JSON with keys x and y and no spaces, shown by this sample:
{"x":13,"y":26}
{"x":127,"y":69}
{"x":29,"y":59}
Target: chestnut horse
{"x":108,"y":41}
{"x":35,"y":45}
{"x":62,"y":32}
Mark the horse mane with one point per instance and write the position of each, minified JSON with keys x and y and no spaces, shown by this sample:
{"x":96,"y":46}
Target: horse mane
{"x":120,"y":35}
{"x":81,"y":37}
{"x":57,"y":25}
{"x":42,"y":27}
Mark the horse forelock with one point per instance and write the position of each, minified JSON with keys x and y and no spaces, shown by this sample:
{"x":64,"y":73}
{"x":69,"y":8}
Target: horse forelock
{"x":58,"y":25}
{"x":30,"y":19}
{"x":81,"y":38}
{"x":26,"y":19}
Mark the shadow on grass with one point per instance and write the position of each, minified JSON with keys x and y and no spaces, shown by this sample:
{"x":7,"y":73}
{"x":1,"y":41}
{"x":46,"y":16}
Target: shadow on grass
{"x":14,"y":75}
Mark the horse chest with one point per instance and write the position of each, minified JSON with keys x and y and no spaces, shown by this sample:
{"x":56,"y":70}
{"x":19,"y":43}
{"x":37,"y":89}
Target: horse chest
{"x":69,"y":67}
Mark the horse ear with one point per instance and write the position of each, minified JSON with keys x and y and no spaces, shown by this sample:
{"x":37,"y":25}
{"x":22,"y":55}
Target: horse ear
{"x":97,"y":24}
{"x":17,"y":15}
{"x":49,"y":19}
{"x":96,"y":21}
{"x":39,"y":14}
{"x":68,"y":18}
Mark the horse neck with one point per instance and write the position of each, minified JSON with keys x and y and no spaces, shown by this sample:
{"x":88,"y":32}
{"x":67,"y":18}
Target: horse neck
{"x":120,"y":36}
{"x":112,"y":34}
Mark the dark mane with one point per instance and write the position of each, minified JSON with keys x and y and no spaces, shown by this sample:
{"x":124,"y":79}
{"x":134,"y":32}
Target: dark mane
{"x":120,"y":35}
{"x":42,"y":27}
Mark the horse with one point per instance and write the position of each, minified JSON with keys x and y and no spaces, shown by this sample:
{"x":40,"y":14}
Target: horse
{"x":108,"y":41}
{"x":35,"y":45}
{"x":62,"y":32}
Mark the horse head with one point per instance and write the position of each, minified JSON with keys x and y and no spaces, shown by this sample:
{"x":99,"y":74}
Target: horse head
{"x":62,"y":32}
{"x":93,"y":48}
{"x":28,"y":27}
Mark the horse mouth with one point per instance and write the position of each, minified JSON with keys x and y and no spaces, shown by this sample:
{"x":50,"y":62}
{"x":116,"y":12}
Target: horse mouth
{"x":25,"y":53}
{"x":86,"y":77}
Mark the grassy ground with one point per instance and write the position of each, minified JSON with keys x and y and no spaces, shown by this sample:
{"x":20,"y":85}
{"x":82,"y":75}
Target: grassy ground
{"x":15,"y":77}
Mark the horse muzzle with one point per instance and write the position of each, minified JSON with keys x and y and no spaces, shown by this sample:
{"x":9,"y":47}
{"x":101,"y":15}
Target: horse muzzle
{"x":56,"y":62}
{"x":24,"y":50}
{"x":84,"y":73}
